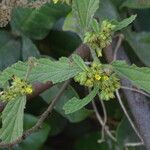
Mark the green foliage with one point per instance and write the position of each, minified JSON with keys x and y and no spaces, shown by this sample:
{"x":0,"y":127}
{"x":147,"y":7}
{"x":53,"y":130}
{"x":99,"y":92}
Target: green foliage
{"x":9,"y":49}
{"x":136,"y":4}
{"x":84,"y":11}
{"x":139,"y":76}
{"x":124,"y":23}
{"x":140,"y":44}
{"x":103,"y":13}
{"x":71,"y":24}
{"x":12,"y":120}
{"x":44,"y":70}
{"x":36,"y":23}
{"x":75,"y":104}
{"x":28,"y":49}
{"x":123,"y":136}
{"x":38,"y":33}
{"x":68,"y":94}
{"x":79,"y":61}
{"x":36,"y":140}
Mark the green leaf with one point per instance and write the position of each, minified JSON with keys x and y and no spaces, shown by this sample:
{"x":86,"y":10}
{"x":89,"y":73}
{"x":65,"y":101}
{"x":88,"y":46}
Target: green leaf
{"x":12,"y":120}
{"x":49,"y":95}
{"x":9,"y":49}
{"x":103,"y":13}
{"x":28,"y":49}
{"x":136,"y":4}
{"x":123,"y":136}
{"x":79,"y":61}
{"x":140,"y":44}
{"x":36,"y":23}
{"x":124,"y":23}
{"x":71,"y":24}
{"x":45,"y":70}
{"x":139,"y":76}
{"x":75,"y":104}
{"x":35,"y":140}
{"x":95,"y":26}
{"x":83,"y":11}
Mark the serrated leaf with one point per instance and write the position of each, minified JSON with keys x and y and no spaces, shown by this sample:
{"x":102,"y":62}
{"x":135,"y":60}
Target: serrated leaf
{"x":45,"y":70}
{"x":139,"y":76}
{"x":79,"y":61}
{"x":124,"y":23}
{"x":95,"y":26}
{"x":12,"y":120}
{"x":75,"y":104}
{"x":83,"y":11}
{"x":136,"y":4}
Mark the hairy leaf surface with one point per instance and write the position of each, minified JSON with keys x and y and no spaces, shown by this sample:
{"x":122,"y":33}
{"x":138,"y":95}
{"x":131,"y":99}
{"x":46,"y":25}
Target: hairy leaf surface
{"x":44,"y":70}
{"x":75,"y":104}
{"x":83,"y":11}
{"x":139,"y":76}
{"x":12,"y":120}
{"x":124,"y":23}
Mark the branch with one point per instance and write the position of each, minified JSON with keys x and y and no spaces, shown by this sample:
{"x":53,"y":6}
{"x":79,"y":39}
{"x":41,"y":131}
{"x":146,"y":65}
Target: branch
{"x":40,"y":122}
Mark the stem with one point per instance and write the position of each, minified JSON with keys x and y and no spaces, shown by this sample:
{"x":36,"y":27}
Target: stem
{"x":134,"y":144}
{"x":127,"y":115}
{"x":104,"y":110}
{"x":94,"y":55}
{"x":102,"y":122}
{"x":135,"y":90}
{"x":119,"y":42}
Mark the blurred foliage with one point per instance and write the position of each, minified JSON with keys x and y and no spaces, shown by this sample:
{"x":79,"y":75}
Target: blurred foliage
{"x":39,"y":33}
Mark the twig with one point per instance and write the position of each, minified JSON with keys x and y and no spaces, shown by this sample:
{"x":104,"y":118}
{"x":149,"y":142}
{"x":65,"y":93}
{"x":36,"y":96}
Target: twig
{"x":127,"y":115}
{"x":134,"y":144}
{"x":102,"y":122}
{"x":39,"y":124}
{"x":105,"y":118}
{"x":119,"y":42}
{"x":104,"y":110}
{"x":135,"y":90}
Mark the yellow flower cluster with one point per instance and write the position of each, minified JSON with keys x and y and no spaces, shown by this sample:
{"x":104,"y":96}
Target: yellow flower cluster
{"x":18,"y":87}
{"x":89,"y":77}
{"x":97,"y":74}
{"x":98,"y":41}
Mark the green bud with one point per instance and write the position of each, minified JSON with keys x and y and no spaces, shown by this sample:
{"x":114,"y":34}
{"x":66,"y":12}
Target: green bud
{"x":89,"y":83}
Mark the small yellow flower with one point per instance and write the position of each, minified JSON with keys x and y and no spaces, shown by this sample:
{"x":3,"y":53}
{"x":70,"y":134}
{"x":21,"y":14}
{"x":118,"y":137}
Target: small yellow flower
{"x":28,"y":90}
{"x":105,"y":78}
{"x":97,"y":77}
